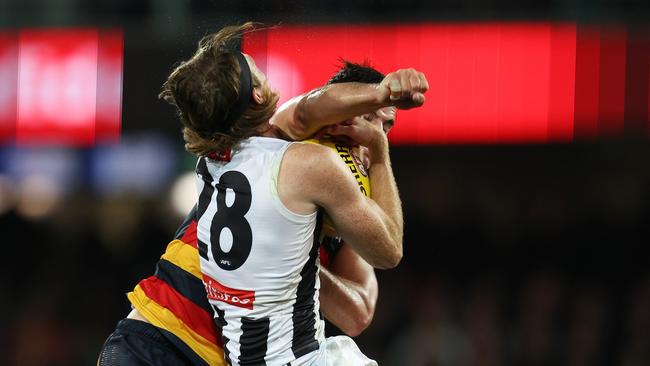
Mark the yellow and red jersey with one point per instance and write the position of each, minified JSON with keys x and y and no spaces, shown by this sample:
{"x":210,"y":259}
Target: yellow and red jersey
{"x":174,"y":299}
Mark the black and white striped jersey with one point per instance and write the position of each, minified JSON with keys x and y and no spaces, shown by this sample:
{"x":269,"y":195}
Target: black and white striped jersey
{"x":258,"y":259}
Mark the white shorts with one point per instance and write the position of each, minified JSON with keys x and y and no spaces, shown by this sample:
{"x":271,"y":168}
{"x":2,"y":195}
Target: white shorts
{"x":336,"y":351}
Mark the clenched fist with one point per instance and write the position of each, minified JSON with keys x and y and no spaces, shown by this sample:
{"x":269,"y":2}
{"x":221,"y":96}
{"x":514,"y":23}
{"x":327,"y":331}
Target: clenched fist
{"x":406,"y":88}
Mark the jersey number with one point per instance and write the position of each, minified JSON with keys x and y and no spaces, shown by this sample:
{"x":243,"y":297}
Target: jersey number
{"x":231,"y":217}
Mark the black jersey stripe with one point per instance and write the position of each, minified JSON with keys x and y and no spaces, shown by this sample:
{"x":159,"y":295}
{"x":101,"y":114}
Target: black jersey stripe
{"x":184,"y":282}
{"x":186,"y":223}
{"x":204,"y":200}
{"x":253,"y":341}
{"x":193,"y":358}
{"x":304,"y":318}
{"x":147,"y":333}
{"x":221,"y":322}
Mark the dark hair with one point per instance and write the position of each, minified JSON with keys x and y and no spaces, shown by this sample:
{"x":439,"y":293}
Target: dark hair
{"x":205,"y":88}
{"x":352,"y":72}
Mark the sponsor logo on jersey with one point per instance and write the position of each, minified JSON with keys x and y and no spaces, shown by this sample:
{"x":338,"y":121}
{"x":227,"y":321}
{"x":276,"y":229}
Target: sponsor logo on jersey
{"x":360,"y":166}
{"x":349,"y":160}
{"x":217,"y":291}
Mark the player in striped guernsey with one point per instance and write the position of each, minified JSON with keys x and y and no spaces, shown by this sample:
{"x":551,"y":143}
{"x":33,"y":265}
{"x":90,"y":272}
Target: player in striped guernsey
{"x":174,"y":298}
{"x":170,"y":297}
{"x":260,"y":198}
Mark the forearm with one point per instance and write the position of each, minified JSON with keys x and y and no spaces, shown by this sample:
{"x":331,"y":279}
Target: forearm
{"x":345,"y":303}
{"x":385,"y":192}
{"x":335,"y":103}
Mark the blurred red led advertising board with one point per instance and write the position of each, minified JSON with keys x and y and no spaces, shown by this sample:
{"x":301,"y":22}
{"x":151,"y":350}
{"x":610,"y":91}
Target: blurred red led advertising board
{"x":501,"y":82}
{"x":64,"y":86}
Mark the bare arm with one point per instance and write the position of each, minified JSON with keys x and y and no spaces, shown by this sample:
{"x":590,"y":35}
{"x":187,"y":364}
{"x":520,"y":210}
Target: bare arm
{"x":348,"y":292}
{"x":302,"y":116}
{"x":313,"y":175}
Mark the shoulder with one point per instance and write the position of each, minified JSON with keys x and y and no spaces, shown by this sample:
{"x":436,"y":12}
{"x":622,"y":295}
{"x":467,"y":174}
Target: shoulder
{"x":309,"y":152}
{"x":317,"y":171}
{"x":313,"y":160}
{"x":302,"y":174}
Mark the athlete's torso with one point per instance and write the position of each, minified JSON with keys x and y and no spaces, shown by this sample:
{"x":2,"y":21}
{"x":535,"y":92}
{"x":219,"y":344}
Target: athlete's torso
{"x":174,"y":298}
{"x":258,"y":259}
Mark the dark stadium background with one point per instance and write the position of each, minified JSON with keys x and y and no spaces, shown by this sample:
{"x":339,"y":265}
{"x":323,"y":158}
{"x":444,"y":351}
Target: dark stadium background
{"x":515,"y":254}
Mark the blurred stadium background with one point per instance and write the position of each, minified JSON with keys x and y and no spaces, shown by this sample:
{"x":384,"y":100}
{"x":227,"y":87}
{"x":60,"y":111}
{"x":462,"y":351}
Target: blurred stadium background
{"x":525,"y":178}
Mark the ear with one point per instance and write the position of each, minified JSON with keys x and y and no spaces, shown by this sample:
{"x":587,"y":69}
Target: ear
{"x":257,"y":96}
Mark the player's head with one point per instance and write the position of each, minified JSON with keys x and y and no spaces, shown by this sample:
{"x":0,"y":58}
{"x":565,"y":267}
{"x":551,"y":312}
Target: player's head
{"x":364,"y":73}
{"x":220,"y":94}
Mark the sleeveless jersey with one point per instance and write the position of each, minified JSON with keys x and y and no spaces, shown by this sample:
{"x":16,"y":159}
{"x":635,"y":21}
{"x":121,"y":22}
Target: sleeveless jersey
{"x":174,"y":298}
{"x":258,"y":259}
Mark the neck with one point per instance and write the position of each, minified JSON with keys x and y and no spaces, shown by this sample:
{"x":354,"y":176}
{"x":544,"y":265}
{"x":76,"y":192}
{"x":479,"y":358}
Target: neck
{"x":275,"y":132}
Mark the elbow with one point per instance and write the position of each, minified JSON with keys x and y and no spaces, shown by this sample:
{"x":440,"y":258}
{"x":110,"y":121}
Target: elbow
{"x":398,"y":251}
{"x":359,"y":324}
{"x":395,"y":259}
{"x":391,"y":260}
{"x":394,"y":253}
{"x":360,"y":321}
{"x":388,"y":262}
